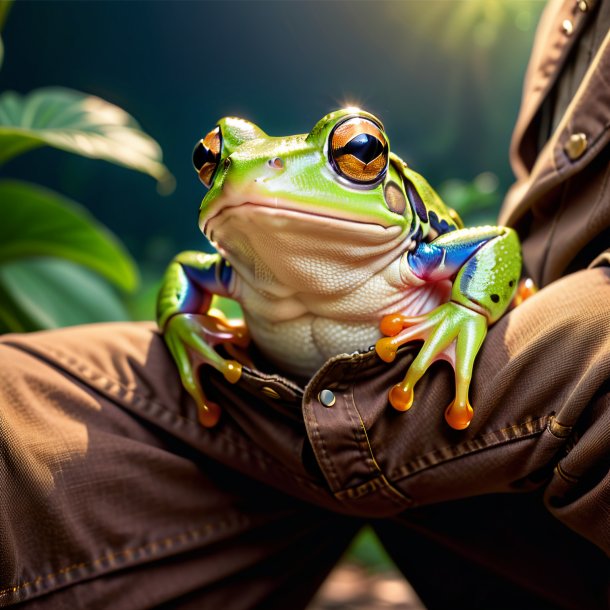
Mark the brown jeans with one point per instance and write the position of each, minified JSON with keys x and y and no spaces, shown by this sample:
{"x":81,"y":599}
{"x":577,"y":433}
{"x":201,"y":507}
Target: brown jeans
{"x":113,"y":496}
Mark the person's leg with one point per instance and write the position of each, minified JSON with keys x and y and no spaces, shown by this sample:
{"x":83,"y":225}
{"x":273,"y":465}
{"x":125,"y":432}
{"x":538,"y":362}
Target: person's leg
{"x":496,"y":551}
{"x":487,"y":503}
{"x":540,"y":393}
{"x":106,"y":501}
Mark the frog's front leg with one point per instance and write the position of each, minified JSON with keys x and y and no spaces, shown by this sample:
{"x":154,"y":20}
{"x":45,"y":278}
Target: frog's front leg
{"x":485,"y":265}
{"x":191,"y":329}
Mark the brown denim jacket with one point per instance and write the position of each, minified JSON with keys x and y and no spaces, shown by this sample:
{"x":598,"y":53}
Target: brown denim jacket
{"x":560,"y":202}
{"x":108,"y":483}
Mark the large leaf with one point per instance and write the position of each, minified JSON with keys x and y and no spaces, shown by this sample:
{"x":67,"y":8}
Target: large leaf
{"x":48,"y":293}
{"x":5,"y":5}
{"x":39,"y":222}
{"x":79,"y":123}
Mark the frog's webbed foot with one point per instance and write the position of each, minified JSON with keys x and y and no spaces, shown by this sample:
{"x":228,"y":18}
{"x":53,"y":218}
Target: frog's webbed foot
{"x":191,"y":339}
{"x":450,"y":332}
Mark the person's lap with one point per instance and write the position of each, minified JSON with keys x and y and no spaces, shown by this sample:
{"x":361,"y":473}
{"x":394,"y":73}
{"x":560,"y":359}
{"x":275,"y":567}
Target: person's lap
{"x":114,"y":495}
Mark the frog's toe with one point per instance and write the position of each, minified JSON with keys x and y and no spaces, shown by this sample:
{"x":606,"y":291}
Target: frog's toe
{"x":208,"y":413}
{"x":401,"y":396}
{"x":399,"y":330}
{"x":458,"y":414}
{"x":526,"y":289}
{"x":231,"y":371}
{"x":450,"y":332}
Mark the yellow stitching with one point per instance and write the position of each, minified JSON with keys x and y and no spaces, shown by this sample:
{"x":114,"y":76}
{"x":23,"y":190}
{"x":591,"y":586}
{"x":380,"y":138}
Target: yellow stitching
{"x":532,"y":427}
{"x":568,"y":478}
{"x":92,"y":376}
{"x":558,"y":430}
{"x":152,"y":546}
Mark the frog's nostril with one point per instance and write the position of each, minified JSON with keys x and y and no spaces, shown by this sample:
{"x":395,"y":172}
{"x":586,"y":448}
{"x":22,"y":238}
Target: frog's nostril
{"x":276,"y":163}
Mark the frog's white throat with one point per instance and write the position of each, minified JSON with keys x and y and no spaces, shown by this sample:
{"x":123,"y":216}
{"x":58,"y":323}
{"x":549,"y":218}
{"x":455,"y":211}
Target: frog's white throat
{"x":283,"y":251}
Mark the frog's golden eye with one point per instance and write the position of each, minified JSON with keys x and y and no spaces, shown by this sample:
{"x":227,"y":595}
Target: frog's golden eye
{"x":207,"y":155}
{"x":358,"y":151}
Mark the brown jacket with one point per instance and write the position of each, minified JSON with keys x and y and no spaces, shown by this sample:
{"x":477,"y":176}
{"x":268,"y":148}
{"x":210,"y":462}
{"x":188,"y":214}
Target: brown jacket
{"x":561,"y":200}
{"x":113,"y":495}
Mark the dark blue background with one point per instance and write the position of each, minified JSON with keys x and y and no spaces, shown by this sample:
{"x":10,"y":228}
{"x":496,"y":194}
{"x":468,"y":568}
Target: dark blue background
{"x":445,"y":77}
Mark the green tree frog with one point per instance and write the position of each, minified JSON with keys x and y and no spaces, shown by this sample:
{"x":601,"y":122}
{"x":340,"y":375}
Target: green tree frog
{"x":331,"y":244}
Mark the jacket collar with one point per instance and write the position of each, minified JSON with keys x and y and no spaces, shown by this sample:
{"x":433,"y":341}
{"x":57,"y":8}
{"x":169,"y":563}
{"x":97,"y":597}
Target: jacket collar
{"x":588,"y":113}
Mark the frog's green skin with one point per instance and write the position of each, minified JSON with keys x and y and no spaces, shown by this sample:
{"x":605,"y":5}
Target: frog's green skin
{"x":317,"y":261}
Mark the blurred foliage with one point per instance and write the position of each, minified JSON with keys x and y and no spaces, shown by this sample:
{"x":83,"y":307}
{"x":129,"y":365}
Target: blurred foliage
{"x":82,"y":124}
{"x":367,"y":550}
{"x":5,"y":6}
{"x":44,"y":237}
{"x":477,"y":201}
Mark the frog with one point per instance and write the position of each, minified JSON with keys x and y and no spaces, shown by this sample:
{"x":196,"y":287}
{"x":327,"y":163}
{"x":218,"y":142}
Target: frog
{"x":331,"y":244}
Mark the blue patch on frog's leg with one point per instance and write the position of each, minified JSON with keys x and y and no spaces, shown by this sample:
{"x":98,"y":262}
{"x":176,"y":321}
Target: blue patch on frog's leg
{"x":443,"y":257}
{"x":488,"y":281}
{"x":190,"y":281}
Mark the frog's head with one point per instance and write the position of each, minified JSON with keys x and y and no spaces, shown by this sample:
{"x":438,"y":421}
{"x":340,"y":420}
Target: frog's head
{"x":335,"y":193}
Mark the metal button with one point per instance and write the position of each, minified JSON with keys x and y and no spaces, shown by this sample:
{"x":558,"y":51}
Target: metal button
{"x":267,"y":391}
{"x":583,"y":7}
{"x":327,"y":398}
{"x":576,"y":145}
{"x":567,"y":26}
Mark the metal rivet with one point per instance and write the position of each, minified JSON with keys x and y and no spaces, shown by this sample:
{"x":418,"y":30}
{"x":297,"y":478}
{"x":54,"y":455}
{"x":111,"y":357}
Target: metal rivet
{"x":583,"y":7}
{"x":567,"y":26}
{"x":267,"y":391}
{"x":327,"y":398}
{"x":576,"y":145}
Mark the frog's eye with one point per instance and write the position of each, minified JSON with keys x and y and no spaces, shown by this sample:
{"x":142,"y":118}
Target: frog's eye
{"x":358,"y":151}
{"x":207,"y":155}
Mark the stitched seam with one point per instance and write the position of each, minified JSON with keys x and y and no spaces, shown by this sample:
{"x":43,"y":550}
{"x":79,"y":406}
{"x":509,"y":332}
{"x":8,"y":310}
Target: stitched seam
{"x":387,"y":489}
{"x":70,"y":365}
{"x":489,"y":440}
{"x":329,"y":465}
{"x":568,"y":478}
{"x":151,"y":548}
{"x":558,"y":430}
{"x":595,"y":215}
{"x":92,"y":377}
{"x":360,"y":435}
{"x":329,"y":469}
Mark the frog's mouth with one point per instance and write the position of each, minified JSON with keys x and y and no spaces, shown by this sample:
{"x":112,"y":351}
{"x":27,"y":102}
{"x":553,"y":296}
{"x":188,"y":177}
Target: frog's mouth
{"x":282,"y":251}
{"x":277,"y":218}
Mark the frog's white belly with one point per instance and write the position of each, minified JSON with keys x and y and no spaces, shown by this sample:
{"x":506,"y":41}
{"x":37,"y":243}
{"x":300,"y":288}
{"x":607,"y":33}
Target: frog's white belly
{"x":299,"y":333}
{"x":312,"y":287}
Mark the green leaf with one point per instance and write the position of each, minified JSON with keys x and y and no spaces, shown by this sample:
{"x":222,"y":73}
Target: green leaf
{"x":142,"y":304}
{"x":5,"y":6}
{"x":40,"y":222}
{"x":49,"y":293}
{"x":81,"y":124}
